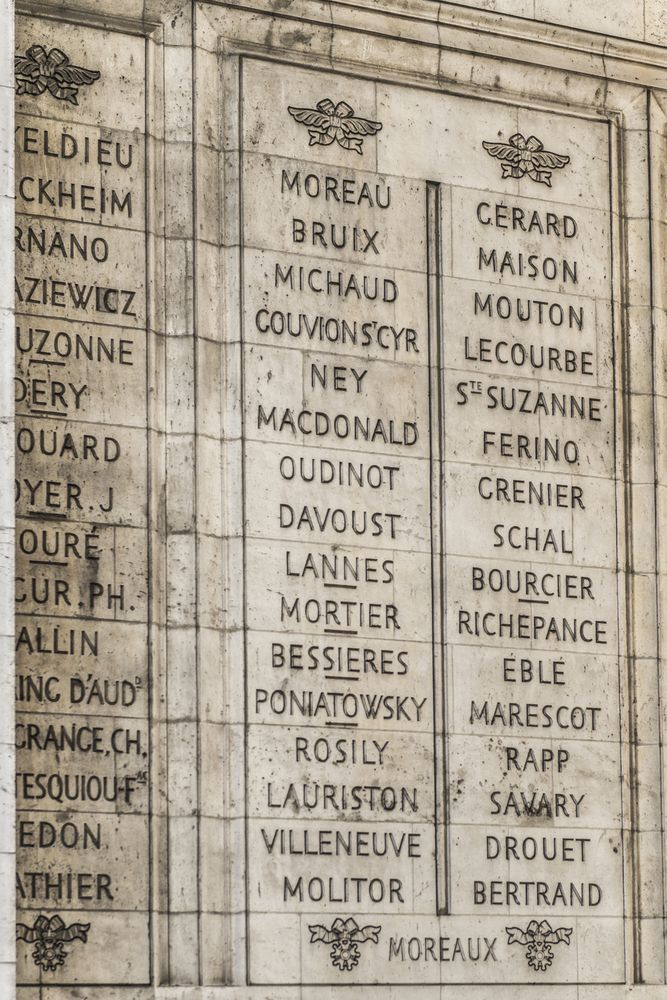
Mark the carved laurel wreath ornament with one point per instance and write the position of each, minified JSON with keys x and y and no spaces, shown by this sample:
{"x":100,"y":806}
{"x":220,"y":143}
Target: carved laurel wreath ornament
{"x":520,"y":156}
{"x":329,"y":122}
{"x":39,"y":70}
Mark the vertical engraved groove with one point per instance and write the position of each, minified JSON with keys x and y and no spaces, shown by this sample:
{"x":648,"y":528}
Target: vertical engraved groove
{"x":436,"y":406}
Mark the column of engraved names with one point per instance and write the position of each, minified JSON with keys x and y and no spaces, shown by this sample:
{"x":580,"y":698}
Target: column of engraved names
{"x":339,"y":706}
{"x":530,"y":508}
{"x":81,"y":587}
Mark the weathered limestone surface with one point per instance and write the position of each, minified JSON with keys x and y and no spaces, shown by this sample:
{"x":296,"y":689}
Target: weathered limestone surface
{"x":340,"y":398}
{"x":623,"y":18}
{"x":82,"y":726}
{"x":7,"y":837}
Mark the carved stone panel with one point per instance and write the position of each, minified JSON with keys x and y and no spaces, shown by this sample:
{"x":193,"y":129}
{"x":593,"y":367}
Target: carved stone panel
{"x":338,"y":390}
{"x":82,"y":685}
{"x":430,"y":454}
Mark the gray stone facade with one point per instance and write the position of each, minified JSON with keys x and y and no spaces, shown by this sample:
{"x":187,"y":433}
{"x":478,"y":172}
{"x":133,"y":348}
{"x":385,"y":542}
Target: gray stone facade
{"x":7,"y":806}
{"x":338,"y":353}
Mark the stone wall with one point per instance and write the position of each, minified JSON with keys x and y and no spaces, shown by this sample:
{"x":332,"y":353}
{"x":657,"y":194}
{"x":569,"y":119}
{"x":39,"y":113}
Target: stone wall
{"x":7,"y":808}
{"x":339,"y":397}
{"x":620,"y":18}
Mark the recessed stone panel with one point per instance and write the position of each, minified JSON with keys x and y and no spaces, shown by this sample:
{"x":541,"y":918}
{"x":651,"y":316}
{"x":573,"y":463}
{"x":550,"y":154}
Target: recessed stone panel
{"x":82,"y":709}
{"x":440,"y":500}
{"x":339,"y":538}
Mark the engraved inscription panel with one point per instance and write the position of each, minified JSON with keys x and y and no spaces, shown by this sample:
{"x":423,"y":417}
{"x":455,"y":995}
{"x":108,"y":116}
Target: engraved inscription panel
{"x":341,"y":772}
{"x":531,"y":591}
{"x":82,"y":713}
{"x":433,"y":693}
